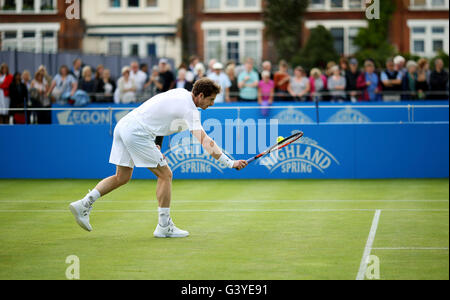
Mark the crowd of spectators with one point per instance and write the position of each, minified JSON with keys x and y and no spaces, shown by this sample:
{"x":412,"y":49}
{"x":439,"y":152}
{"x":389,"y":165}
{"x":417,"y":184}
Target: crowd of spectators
{"x":344,"y":81}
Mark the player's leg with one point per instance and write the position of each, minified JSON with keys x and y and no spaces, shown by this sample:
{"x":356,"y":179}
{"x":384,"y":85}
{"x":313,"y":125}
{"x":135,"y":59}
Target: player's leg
{"x":123,"y":176}
{"x":166,"y":228}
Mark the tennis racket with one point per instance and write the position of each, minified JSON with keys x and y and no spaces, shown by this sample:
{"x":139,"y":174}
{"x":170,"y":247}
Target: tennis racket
{"x":286,"y":142}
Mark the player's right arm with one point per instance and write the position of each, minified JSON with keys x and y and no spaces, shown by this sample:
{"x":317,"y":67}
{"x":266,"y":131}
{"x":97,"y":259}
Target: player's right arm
{"x":211,"y":147}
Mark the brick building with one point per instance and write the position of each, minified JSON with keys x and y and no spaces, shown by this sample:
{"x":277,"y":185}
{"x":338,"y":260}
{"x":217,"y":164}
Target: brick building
{"x":38,"y":25}
{"x":227,"y":30}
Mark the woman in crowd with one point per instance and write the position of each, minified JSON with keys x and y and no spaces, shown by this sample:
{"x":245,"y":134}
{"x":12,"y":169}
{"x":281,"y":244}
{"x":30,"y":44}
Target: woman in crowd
{"x":299,"y":86}
{"x":281,"y":80}
{"x":26,"y":79}
{"x":343,"y":64}
{"x":63,"y":83}
{"x":409,"y":82}
{"x":5,"y":82}
{"x":200,"y":71}
{"x":368,"y":82}
{"x":19,"y":99}
{"x":234,"y":88}
{"x":99,"y":73}
{"x":336,"y":85}
{"x":266,"y":91}
{"x":423,"y":77}
{"x":38,"y":95}
{"x":127,"y":87}
{"x":87,"y":83}
{"x":106,"y":87}
{"x":318,"y":83}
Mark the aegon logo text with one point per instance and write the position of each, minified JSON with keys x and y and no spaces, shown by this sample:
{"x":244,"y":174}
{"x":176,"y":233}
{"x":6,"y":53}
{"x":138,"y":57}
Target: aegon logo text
{"x":302,"y":157}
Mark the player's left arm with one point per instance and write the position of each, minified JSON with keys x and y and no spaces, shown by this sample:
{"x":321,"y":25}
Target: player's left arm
{"x":211,"y":147}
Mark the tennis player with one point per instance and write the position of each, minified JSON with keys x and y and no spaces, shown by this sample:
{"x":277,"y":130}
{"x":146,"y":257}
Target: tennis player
{"x":134,"y":146}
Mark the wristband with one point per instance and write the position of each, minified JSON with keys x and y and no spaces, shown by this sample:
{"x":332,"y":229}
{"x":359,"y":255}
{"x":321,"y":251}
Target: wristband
{"x":225,"y":160}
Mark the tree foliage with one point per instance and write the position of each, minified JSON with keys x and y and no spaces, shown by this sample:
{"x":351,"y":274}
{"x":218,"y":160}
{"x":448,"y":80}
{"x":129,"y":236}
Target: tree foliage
{"x":283,"y":20}
{"x":373,"y":41}
{"x":318,"y":51}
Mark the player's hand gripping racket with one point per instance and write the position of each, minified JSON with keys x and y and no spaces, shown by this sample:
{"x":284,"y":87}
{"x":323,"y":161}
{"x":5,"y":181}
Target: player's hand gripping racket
{"x":281,"y":144}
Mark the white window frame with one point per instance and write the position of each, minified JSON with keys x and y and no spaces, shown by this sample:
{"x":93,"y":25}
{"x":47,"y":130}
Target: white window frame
{"x":37,"y":8}
{"x":223,"y":27}
{"x":160,"y":41}
{"x":240,"y":8}
{"x":345,"y":24}
{"x":38,"y":28}
{"x":428,"y":6}
{"x":428,"y":36}
{"x":345,"y":7}
{"x":142,"y":7}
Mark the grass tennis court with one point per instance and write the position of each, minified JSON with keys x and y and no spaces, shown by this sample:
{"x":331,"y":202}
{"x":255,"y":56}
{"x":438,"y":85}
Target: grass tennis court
{"x":255,"y":229}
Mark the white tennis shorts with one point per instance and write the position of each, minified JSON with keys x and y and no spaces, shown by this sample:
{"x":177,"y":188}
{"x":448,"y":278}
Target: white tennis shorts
{"x":135,"y":147}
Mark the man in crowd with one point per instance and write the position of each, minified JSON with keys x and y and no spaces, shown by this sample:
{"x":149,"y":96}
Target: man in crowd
{"x":248,"y":82}
{"x":222,"y":80}
{"x":391,"y":80}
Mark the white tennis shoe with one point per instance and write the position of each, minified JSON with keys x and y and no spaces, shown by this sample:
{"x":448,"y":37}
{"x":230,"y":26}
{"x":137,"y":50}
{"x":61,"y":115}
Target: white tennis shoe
{"x":81,"y":214}
{"x":170,"y":231}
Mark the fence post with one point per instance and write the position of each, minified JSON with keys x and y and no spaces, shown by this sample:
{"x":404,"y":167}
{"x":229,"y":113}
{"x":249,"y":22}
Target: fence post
{"x":317,"y":111}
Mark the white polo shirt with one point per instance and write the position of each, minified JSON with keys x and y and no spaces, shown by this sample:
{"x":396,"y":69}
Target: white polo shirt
{"x":168,"y":113}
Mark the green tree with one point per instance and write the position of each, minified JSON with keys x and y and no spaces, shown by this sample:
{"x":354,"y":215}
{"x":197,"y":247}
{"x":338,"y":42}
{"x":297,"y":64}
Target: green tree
{"x":318,"y":51}
{"x":283,"y":20}
{"x":373,"y":41}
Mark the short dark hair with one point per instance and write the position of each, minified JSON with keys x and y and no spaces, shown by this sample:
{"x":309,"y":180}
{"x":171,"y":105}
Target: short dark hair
{"x":207,"y":87}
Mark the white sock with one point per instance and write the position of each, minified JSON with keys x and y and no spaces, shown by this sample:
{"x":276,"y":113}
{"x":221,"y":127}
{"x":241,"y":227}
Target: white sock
{"x":164,"y":216}
{"x":91,"y":197}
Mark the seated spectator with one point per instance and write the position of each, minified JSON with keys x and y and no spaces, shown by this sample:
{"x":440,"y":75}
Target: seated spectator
{"x":409,"y":83}
{"x":5,"y":82}
{"x":63,"y":83}
{"x":38,"y":95}
{"x":266,"y":90}
{"x":368,"y":83}
{"x":248,"y":82}
{"x":127,"y":87}
{"x":391,"y":80}
{"x":336,"y":85}
{"x":351,"y":78}
{"x":423,"y":76}
{"x":219,"y":77}
{"x":318,"y":83}
{"x":234,"y":88}
{"x":166,"y":76}
{"x":106,"y":87}
{"x":281,"y":80}
{"x":299,"y":85}
{"x":87,"y":83}
{"x":439,"y":81}
{"x":19,"y":98}
{"x":182,"y":82}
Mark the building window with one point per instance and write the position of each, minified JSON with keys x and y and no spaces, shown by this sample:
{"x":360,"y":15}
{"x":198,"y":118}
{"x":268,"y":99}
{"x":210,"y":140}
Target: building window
{"x":429,"y":4}
{"x":152,"y":3}
{"x":232,"y":5}
{"x":337,"y":5}
{"x":29,"y":38}
{"x":133,"y":3}
{"x":115,"y":48}
{"x":114,"y":3}
{"x":224,"y":42}
{"x":428,"y":36}
{"x":28,"y":6}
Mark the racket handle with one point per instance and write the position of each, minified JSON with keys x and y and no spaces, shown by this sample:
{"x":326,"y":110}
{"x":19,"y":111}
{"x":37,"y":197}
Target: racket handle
{"x":251,"y":160}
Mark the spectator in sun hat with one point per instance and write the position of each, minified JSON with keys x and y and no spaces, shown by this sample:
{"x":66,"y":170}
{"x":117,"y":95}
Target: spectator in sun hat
{"x":127,"y":87}
{"x":219,"y":77}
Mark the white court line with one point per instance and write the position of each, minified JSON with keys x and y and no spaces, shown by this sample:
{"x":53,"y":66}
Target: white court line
{"x":368,"y":248}
{"x":412,"y":248}
{"x":222,"y":210}
{"x":231,"y":201}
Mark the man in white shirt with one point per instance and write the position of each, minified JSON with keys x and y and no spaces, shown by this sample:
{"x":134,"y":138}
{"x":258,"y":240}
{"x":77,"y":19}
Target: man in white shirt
{"x":139,"y":77}
{"x":134,"y":146}
{"x":219,"y":77}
